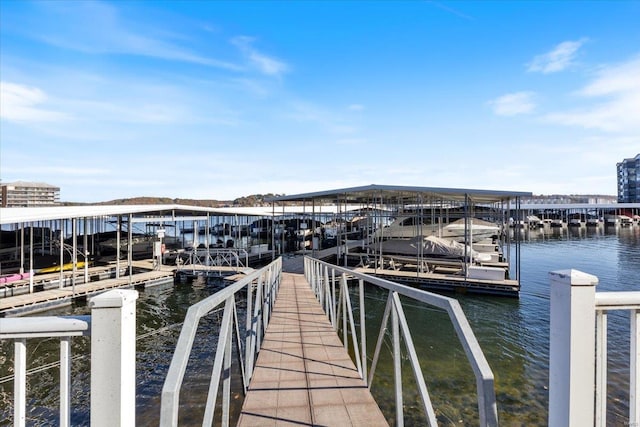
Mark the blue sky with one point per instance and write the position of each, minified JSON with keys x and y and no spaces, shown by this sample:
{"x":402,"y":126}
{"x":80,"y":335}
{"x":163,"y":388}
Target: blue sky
{"x":218,"y":100}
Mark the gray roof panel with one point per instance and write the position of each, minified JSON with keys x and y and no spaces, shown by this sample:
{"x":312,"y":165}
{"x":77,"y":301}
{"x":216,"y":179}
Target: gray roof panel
{"x":402,"y":193}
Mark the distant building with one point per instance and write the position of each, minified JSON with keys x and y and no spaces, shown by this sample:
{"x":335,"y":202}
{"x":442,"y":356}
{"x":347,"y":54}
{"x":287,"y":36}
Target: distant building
{"x":629,"y":180}
{"x":28,"y":194}
{"x":569,"y":199}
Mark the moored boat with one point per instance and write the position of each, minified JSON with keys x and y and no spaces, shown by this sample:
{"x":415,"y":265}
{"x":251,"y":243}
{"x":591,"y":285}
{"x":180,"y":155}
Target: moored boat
{"x":9,"y":278}
{"x":410,"y":226}
{"x":431,"y":246}
{"x":56,"y":268}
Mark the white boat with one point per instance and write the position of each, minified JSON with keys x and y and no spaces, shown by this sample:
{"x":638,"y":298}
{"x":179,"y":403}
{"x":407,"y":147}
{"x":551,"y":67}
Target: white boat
{"x":431,"y":246}
{"x":593,"y":221}
{"x":533,"y":221}
{"x":405,"y":227}
{"x":615,"y":220}
{"x":530,"y":221}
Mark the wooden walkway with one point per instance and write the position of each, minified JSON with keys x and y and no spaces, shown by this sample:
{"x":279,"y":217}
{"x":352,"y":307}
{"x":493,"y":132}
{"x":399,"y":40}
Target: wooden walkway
{"x":303,"y":374}
{"x":43,"y":300}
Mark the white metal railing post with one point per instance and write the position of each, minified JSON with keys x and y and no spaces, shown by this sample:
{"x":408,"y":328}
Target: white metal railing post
{"x":397,"y":371}
{"x":601,"y":368}
{"x":363,"y":330}
{"x":344,"y":294}
{"x":325,"y":293}
{"x":572,"y":349}
{"x":20,"y":383}
{"x":634,"y":372}
{"x":334,"y":320}
{"x":322,"y":285}
{"x":250,"y":333}
{"x":65,"y":381}
{"x":113,"y":358}
{"x":305,"y":262}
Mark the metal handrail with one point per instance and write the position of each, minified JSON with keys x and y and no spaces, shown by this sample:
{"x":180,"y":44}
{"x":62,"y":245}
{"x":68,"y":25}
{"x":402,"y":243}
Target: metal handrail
{"x":238,"y":258}
{"x":605,"y":302}
{"x":323,"y":280}
{"x":261,"y":287}
{"x":21,"y":329}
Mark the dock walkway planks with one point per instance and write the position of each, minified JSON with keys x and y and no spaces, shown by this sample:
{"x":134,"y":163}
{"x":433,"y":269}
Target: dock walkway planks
{"x":303,"y":375}
{"x":42,"y":299}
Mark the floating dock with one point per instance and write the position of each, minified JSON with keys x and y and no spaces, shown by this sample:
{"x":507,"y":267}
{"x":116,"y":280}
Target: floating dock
{"x":42,"y":300}
{"x":446,"y":281}
{"x":440,"y":274}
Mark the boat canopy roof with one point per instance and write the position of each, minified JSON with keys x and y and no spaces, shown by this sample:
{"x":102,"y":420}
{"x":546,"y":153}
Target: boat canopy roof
{"x":45,"y":213}
{"x":142,"y":213}
{"x":395,"y":194}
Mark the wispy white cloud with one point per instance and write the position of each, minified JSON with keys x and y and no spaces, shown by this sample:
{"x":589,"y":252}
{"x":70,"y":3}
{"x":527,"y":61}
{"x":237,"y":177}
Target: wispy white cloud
{"x":615,"y":92}
{"x":356,"y":107}
{"x":513,"y":104}
{"x":558,"y":59}
{"x":78,"y":104}
{"x":99,"y":28}
{"x":615,"y":79}
{"x":265,"y":64}
{"x":20,"y":103}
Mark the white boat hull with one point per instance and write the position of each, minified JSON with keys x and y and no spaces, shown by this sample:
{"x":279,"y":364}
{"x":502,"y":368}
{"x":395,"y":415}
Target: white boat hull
{"x":475,"y":231}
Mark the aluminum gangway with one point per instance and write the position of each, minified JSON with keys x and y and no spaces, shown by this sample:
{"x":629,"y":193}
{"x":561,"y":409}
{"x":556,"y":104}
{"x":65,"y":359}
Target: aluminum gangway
{"x":302,"y":358}
{"x":303,"y":374}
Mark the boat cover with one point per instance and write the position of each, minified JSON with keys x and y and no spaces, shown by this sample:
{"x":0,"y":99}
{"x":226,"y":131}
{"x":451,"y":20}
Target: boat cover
{"x":431,"y":246}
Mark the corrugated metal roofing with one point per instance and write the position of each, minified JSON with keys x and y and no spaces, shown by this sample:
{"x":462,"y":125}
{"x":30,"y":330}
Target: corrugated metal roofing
{"x":402,"y":194}
{"x":18,"y":215}
{"x":568,"y":206}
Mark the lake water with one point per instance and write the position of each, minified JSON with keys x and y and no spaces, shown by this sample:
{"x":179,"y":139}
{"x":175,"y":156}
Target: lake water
{"x":513,"y":333}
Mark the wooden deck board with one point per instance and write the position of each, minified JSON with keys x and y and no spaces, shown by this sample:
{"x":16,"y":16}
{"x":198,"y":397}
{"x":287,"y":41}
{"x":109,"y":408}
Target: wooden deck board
{"x":52,"y":295}
{"x":303,"y":374}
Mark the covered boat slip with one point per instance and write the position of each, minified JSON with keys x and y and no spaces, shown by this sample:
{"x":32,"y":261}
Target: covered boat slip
{"x":56,"y":254}
{"x":473,"y":224}
{"x":344,"y":222}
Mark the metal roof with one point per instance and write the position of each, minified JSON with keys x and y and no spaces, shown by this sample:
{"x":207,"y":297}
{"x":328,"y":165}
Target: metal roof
{"x":569,"y":206}
{"x":17,"y":215}
{"x":32,"y":214}
{"x":402,"y":194}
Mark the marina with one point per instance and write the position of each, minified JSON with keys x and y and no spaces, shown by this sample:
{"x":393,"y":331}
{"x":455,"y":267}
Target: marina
{"x":76,"y":238}
{"x":199,"y":224}
{"x":503,"y":326}
{"x":513,"y":333}
{"x":442,"y":239}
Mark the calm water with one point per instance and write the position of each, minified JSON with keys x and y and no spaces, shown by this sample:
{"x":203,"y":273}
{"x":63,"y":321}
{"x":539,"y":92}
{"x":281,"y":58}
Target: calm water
{"x":513,"y":333}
